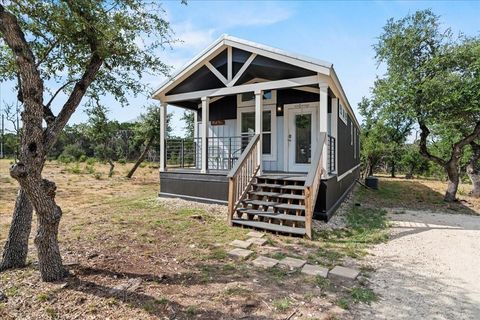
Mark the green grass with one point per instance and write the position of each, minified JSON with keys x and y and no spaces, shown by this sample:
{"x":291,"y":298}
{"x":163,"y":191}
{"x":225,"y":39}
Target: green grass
{"x":343,"y":303}
{"x":282,"y":304}
{"x":365,"y":295}
{"x":237,"y":291}
{"x":323,"y":283}
{"x":277,"y":274}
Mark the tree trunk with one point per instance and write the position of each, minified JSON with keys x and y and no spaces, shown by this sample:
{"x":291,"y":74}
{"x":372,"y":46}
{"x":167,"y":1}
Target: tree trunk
{"x":393,"y":169}
{"x":112,"y":166}
{"x":16,"y":247}
{"x":473,"y":172}
{"x":46,"y":241}
{"x":453,"y":181}
{"x":141,"y":158}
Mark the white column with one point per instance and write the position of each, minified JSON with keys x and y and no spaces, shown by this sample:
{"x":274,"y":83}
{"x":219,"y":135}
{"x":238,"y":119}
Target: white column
{"x":163,"y":128}
{"x":335,"y":129}
{"x":323,"y":119}
{"x":258,"y":125}
{"x":204,"y":132}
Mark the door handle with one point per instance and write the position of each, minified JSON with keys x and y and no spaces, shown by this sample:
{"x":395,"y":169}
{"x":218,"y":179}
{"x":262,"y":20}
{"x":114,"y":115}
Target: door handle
{"x":289,"y":138}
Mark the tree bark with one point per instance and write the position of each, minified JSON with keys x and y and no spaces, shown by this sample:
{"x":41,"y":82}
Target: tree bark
{"x":112,"y":166}
{"x":393,"y":169}
{"x":452,"y":183}
{"x":473,"y":171}
{"x":141,"y":158}
{"x":16,"y":248}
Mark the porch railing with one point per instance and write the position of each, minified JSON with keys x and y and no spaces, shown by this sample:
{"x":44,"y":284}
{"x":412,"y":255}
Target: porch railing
{"x":312,"y":184}
{"x":242,"y":175}
{"x":331,"y":160}
{"x":222,"y":152}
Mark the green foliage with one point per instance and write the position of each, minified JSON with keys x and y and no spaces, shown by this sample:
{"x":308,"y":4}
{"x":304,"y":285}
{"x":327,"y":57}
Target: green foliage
{"x":365,"y":295}
{"x":189,"y":119}
{"x":282,"y":304}
{"x":72,"y":151}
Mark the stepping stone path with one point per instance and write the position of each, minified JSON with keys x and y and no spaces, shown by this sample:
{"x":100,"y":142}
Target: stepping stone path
{"x":241,"y":254}
{"x":241,"y":244}
{"x":342,"y":273}
{"x":255,"y":237}
{"x":265,"y":262}
{"x":314,"y":270}
{"x":292,"y":263}
{"x":255,"y":234}
{"x":257,"y":241}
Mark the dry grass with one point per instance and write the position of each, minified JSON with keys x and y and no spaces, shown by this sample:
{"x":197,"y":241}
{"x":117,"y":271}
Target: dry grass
{"x":421,"y":194}
{"x":115,"y":230}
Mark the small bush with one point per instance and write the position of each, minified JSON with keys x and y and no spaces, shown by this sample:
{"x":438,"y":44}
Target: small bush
{"x":97,"y":175}
{"x":82,"y":158}
{"x":75,"y":169}
{"x":282,"y":304}
{"x":91,"y":161}
{"x":122,"y":161}
{"x":73,"y":151}
{"x":90,"y":169}
{"x":66,"y":159}
{"x":364,"y":295}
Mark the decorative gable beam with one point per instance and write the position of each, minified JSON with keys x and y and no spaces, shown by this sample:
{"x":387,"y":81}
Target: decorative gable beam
{"x":216,"y":72}
{"x":268,"y":85}
{"x":242,"y":70}
{"x":229,"y":64}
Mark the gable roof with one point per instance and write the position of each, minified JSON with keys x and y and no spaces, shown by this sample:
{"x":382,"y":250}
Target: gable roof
{"x":224,"y":41}
{"x":305,"y":62}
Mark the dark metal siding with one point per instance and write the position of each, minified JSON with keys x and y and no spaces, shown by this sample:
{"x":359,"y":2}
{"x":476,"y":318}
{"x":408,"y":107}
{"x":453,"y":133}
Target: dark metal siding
{"x":346,"y":159}
{"x":332,"y":194}
{"x":208,"y":186}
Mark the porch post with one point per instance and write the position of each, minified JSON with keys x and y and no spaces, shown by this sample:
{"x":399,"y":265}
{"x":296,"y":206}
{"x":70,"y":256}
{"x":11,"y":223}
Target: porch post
{"x":163,"y":126}
{"x":323,"y":112}
{"x":204,"y":132}
{"x":258,"y":125}
{"x":335,"y":129}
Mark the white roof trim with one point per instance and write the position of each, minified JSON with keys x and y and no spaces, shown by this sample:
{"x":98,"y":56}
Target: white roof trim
{"x":226,"y":40}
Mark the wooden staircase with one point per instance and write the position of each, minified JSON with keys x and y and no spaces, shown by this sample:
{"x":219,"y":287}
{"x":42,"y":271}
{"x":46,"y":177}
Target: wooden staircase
{"x":275,"y":203}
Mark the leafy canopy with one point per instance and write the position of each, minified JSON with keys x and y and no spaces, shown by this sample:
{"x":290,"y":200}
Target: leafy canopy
{"x":126,"y":34}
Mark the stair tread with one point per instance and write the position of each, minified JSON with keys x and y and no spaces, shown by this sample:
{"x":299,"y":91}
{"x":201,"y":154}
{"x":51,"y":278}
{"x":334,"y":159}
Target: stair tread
{"x":275,"y":215}
{"x":260,"y":203}
{"x":292,"y":196}
{"x":296,"y":178}
{"x":264,"y":193}
{"x":293,"y":187}
{"x":269,"y":226}
{"x":290,"y":206}
{"x":272,"y":177}
{"x":268,"y":185}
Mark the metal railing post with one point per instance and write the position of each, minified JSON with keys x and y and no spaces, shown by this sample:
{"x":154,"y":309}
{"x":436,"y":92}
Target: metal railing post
{"x":182,"y":153}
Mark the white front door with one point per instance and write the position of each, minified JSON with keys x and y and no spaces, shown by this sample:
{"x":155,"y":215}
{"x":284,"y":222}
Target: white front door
{"x":301,"y":136}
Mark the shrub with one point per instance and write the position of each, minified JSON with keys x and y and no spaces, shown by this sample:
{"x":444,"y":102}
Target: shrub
{"x":82,"y":158}
{"x":91,"y":161}
{"x":65,"y":159}
{"x":73,"y":151}
{"x":122,"y":161}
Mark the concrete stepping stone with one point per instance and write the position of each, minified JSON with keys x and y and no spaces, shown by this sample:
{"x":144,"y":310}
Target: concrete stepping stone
{"x":265,"y":262}
{"x":240,"y":254}
{"x":241,"y":244}
{"x":292,"y":263}
{"x":257,"y":241}
{"x":314,"y":270}
{"x":342,"y":273}
{"x":255,"y":234}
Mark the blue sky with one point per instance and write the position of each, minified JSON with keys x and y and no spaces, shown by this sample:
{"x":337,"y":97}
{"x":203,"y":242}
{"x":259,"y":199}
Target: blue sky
{"x":338,"y":32}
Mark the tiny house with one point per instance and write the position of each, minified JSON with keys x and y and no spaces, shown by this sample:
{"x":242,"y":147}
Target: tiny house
{"x":275,"y":138}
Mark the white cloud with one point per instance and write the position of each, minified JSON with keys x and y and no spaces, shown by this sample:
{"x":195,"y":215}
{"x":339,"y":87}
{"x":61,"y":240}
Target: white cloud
{"x":192,"y":38}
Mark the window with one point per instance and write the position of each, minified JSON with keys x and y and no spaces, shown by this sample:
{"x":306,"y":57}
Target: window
{"x":354,"y":143}
{"x":246,"y":124}
{"x":351,"y":133}
{"x":342,"y":113}
{"x":247,"y":99}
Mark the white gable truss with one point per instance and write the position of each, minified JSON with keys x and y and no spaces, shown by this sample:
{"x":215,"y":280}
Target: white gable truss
{"x":325,"y":74}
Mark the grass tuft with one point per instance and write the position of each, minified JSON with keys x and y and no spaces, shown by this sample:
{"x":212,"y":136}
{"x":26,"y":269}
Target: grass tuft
{"x":282,"y":304}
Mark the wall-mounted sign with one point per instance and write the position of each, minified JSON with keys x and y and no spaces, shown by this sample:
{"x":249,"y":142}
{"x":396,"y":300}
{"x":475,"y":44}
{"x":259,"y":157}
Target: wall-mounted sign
{"x":217,"y":122}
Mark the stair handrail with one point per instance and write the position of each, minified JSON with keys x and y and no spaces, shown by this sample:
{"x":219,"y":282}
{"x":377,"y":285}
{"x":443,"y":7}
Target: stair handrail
{"x":241,"y":176}
{"x":312,"y":183}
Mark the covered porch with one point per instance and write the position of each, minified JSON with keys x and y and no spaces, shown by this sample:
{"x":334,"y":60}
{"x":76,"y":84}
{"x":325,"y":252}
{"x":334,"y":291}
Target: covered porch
{"x":264,"y":134}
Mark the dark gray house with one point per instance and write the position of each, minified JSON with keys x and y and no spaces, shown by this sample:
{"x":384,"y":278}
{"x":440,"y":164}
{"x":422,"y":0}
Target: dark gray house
{"x":275,"y":137}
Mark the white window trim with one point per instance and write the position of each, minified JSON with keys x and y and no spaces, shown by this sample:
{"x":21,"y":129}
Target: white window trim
{"x":273,"y":125}
{"x":250,"y":103}
{"x":342,"y":113}
{"x":354,"y":142}
{"x":351,"y":133}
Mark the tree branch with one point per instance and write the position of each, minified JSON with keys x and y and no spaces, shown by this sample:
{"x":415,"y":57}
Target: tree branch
{"x":45,"y":56}
{"x":424,"y":132}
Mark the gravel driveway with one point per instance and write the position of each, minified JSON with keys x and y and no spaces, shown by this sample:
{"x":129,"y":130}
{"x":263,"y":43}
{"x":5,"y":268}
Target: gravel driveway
{"x":430,"y":268}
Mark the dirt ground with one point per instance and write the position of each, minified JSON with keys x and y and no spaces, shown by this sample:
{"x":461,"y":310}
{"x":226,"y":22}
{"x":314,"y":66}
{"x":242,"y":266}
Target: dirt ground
{"x":133,"y":256}
{"x":429,"y":267}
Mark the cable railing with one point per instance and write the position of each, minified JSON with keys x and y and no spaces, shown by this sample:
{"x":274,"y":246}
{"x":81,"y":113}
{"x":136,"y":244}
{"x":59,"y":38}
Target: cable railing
{"x":331,"y":161}
{"x":222,"y":152}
